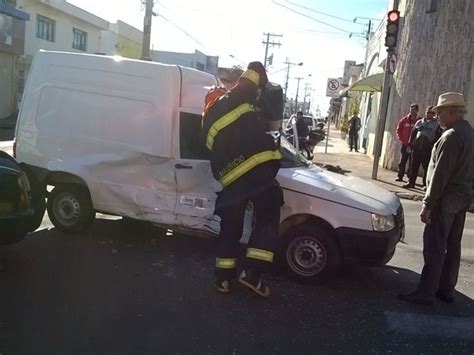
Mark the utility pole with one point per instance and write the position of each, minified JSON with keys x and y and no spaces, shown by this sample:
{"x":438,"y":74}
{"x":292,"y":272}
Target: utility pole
{"x":269,"y":43}
{"x":307,"y":87}
{"x":297,"y":91}
{"x":288,"y":73}
{"x":147,"y":30}
{"x":379,"y":133}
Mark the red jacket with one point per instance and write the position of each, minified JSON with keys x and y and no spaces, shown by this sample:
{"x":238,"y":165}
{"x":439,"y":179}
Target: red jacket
{"x":404,"y":128}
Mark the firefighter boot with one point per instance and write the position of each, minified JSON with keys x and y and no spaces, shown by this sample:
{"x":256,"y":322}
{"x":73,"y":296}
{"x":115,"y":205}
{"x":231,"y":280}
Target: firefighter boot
{"x":253,"y":280}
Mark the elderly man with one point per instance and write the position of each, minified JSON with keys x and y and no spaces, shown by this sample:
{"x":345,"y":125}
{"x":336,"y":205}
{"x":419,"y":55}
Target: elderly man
{"x":445,"y":204}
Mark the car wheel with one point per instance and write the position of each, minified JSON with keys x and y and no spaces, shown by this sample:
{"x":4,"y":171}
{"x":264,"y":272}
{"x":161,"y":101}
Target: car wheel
{"x":70,"y":208}
{"x":310,"y":253}
{"x":38,"y":197}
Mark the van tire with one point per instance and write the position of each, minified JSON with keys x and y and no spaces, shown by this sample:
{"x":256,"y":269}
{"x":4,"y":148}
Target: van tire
{"x":310,"y":253}
{"x":70,"y":208}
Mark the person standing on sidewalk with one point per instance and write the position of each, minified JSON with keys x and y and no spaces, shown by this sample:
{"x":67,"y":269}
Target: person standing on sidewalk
{"x":404,"y":128}
{"x":446,"y":201}
{"x":354,"y":127}
{"x":425,"y":133}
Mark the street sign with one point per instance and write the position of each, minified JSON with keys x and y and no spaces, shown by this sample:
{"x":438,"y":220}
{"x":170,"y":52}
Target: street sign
{"x":392,"y":63}
{"x":333,"y":87}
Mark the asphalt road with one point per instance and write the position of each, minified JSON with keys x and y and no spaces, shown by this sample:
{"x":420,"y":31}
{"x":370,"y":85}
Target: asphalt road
{"x":132,"y":289}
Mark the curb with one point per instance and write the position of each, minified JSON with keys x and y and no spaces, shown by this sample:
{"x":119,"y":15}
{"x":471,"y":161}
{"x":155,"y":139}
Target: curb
{"x":408,"y":196}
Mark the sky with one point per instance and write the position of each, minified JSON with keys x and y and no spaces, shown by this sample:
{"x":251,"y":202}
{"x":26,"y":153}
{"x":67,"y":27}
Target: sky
{"x":234,"y":31}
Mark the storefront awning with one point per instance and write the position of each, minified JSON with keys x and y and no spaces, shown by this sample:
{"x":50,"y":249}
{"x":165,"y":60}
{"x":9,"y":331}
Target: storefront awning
{"x":371,"y":83}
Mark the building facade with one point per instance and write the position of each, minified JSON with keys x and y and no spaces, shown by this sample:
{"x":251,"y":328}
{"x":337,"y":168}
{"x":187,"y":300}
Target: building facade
{"x":12,"y":42}
{"x":123,"y":40}
{"x":196,"y":60}
{"x":435,"y":55}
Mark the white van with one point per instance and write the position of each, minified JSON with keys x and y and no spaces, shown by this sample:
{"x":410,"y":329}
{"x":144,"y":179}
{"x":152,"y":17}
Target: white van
{"x":121,"y":137}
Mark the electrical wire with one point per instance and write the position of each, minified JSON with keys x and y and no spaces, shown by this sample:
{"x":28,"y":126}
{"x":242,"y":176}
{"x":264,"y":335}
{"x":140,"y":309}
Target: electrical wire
{"x":182,"y":30}
{"x":312,"y":18}
{"x":322,"y":13}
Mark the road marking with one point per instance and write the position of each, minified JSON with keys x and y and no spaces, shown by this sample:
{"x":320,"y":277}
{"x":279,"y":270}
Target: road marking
{"x":432,"y":325}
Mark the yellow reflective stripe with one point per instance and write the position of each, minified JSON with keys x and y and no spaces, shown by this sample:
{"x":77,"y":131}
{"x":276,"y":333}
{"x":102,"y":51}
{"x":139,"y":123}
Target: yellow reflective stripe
{"x":259,"y":254}
{"x":224,"y":121}
{"x":248,"y":165}
{"x":252,"y":75}
{"x":226,"y":263}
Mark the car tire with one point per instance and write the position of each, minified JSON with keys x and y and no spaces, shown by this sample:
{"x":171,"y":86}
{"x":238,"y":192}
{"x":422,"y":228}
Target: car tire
{"x":310,"y":253}
{"x":70,"y":208}
{"x":38,"y":197}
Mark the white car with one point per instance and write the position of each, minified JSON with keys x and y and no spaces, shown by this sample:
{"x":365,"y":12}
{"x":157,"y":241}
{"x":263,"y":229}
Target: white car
{"x":121,"y":137}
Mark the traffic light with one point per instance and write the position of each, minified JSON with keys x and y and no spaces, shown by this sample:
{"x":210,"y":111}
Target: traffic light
{"x":393,"y":21}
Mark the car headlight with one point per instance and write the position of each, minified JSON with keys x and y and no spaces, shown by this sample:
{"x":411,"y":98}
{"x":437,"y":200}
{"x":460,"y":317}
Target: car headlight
{"x":382,"y":223}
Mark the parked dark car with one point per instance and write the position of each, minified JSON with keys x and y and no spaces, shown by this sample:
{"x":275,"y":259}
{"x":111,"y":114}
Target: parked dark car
{"x":17,"y":212}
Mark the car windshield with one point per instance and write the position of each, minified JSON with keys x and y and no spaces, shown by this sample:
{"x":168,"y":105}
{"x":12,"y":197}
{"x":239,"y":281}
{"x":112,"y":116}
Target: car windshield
{"x":291,"y":158}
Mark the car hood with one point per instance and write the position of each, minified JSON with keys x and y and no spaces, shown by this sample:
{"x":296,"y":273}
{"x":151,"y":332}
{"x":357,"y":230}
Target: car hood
{"x":342,"y":189}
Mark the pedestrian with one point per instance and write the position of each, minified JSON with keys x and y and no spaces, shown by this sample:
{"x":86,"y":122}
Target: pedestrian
{"x":245,"y":161}
{"x":425,"y":132}
{"x":447,"y":198}
{"x":404,"y":128}
{"x":302,"y":131}
{"x":354,"y":127}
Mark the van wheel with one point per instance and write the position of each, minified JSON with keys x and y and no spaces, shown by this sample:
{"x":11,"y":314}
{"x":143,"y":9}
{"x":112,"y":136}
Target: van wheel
{"x":310,"y":253}
{"x":70,"y":208}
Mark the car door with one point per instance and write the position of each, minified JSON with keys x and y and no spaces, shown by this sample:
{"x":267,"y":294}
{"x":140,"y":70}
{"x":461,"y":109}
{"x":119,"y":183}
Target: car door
{"x":195,"y":184}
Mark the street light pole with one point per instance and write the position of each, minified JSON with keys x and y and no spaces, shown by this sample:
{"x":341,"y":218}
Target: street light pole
{"x":297,"y":91}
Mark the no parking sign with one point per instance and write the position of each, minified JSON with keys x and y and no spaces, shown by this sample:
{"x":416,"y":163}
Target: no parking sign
{"x":333,"y":87}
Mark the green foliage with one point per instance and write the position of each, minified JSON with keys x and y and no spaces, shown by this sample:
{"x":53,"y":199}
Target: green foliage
{"x":344,"y":123}
{"x":355,"y":103}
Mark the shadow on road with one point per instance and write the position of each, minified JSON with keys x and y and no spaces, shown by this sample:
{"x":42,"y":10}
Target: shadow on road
{"x":134,"y":288}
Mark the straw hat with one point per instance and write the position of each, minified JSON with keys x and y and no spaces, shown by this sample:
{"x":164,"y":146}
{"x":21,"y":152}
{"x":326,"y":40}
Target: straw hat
{"x":451,"y":99}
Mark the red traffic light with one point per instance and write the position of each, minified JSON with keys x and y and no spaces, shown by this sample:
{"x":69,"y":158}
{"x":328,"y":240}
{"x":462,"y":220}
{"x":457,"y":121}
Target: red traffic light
{"x":393,"y":15}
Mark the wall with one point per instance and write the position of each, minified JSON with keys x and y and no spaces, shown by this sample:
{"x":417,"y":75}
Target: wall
{"x":197,"y":60}
{"x":122,"y":39}
{"x":7,"y":104}
{"x":369,"y":107}
{"x":64,"y":25}
{"x":435,"y":55}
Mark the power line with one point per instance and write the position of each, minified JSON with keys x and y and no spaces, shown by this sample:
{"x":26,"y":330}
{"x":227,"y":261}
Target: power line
{"x":322,"y":13}
{"x":182,"y":30}
{"x":312,"y":18}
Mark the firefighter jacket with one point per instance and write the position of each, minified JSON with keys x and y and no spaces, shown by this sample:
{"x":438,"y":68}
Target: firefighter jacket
{"x":244,"y":158}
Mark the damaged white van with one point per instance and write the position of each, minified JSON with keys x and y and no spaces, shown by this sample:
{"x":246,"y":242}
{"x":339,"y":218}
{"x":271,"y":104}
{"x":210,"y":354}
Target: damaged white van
{"x":121,"y":137}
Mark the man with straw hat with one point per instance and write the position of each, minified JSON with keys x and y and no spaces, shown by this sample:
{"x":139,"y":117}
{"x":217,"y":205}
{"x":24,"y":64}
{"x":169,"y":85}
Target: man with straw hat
{"x":447,"y":198}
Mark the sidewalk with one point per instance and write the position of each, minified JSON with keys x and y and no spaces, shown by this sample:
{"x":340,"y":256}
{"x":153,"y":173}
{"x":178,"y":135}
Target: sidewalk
{"x":360,"y":165}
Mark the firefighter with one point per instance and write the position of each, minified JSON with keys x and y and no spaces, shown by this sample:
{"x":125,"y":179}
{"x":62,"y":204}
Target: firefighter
{"x":245,"y":161}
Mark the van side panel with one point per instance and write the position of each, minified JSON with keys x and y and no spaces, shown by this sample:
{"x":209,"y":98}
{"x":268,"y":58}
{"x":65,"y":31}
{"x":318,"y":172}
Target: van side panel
{"x":107,"y":122}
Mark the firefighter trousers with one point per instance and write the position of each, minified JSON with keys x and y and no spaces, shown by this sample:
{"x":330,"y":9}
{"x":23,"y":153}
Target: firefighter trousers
{"x":262,"y":242}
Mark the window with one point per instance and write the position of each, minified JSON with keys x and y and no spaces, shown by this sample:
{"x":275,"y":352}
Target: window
{"x":45,"y":28}
{"x":190,"y":137}
{"x":200,"y":66}
{"x":79,"y":39}
{"x":432,"y":6}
